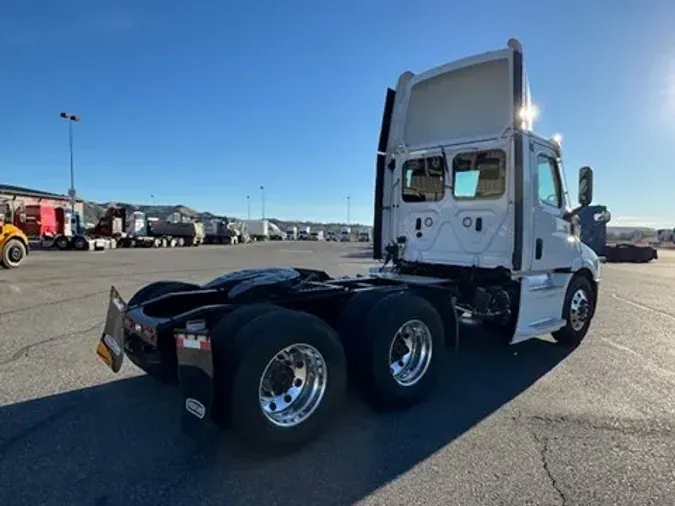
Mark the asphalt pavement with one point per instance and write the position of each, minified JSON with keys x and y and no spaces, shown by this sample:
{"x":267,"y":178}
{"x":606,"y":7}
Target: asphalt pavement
{"x":529,"y":424}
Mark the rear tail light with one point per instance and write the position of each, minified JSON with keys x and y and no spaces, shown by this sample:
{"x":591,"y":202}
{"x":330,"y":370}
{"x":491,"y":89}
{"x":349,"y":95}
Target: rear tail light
{"x":148,"y":333}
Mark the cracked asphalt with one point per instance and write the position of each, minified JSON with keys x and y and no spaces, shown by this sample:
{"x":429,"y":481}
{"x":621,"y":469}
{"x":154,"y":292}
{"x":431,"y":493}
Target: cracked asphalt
{"x":530,"y":424}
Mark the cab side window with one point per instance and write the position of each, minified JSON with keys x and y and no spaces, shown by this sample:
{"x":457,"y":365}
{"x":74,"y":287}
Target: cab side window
{"x":550,"y":187}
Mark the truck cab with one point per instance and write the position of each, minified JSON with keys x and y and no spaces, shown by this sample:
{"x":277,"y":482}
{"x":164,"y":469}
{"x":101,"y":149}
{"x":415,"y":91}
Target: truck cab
{"x":466,"y":188}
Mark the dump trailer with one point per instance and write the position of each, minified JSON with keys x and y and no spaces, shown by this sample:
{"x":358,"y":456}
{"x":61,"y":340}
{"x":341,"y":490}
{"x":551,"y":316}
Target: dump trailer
{"x":14,"y":246}
{"x":147,"y":232}
{"x":267,"y":351}
{"x":593,"y":222}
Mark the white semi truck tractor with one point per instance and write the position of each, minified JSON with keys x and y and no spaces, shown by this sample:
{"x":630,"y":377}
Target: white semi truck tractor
{"x":472,"y":218}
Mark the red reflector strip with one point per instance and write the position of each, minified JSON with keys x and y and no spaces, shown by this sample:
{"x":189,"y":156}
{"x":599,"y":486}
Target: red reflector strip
{"x":193,"y":341}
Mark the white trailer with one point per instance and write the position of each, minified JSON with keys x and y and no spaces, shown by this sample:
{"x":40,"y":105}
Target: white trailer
{"x":258,"y":230}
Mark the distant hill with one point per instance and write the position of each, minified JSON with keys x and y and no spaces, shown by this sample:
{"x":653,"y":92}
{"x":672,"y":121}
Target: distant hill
{"x":93,"y":211}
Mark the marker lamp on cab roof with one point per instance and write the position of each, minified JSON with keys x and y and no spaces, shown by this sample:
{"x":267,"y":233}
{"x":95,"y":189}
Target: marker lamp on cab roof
{"x":557,"y":138}
{"x":529,"y":113}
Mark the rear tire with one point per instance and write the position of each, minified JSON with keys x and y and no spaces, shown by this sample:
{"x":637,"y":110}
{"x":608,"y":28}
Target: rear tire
{"x":313,"y":352}
{"x":578,"y":312}
{"x":222,"y":341}
{"x":80,"y":243}
{"x":398,"y":351}
{"x":62,"y":243}
{"x":13,"y":254}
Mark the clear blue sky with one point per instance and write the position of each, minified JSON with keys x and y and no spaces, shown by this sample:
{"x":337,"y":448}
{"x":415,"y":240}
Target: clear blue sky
{"x":201,"y":102}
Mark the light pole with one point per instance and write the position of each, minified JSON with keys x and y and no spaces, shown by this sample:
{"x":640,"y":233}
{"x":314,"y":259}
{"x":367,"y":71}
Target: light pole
{"x":349,"y":200}
{"x":71,"y":118}
{"x":262,"y":194}
{"x":152,"y":197}
{"x":248,"y":205}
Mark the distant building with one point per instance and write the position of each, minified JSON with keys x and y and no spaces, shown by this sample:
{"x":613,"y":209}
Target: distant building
{"x":18,"y":196}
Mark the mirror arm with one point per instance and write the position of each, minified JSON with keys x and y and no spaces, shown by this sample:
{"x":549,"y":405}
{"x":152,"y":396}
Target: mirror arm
{"x":569,"y":215}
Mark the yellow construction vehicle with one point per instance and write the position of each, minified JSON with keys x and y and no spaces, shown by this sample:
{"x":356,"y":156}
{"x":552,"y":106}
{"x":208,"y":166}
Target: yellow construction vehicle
{"x":13,"y":241}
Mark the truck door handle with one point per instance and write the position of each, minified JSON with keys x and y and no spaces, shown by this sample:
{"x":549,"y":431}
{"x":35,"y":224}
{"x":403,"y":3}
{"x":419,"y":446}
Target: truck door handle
{"x":418,"y":223}
{"x":479,"y":224}
{"x":539,"y":249}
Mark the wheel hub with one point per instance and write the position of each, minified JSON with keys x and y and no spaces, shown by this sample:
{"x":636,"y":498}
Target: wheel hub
{"x":292,"y":385}
{"x":15,"y":254}
{"x":579,"y":310}
{"x":410,"y":352}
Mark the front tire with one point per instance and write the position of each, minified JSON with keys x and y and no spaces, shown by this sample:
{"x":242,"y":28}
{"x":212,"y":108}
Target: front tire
{"x":288,"y":378}
{"x":577,"y":312}
{"x":13,"y":254}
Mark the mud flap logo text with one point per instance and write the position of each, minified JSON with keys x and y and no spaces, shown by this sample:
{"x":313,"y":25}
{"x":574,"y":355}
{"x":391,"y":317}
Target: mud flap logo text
{"x":195,"y":407}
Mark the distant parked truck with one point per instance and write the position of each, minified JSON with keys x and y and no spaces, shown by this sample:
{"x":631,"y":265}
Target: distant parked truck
{"x":364,"y":235}
{"x":305,"y":233}
{"x":259,"y":230}
{"x":275,"y":233}
{"x":345,"y":234}
{"x":665,"y":235}
{"x":143,"y":231}
{"x":37,"y":221}
{"x":292,"y":233}
{"x":216,"y":232}
{"x":592,"y":222}
{"x":316,"y":235}
{"x":71,"y":232}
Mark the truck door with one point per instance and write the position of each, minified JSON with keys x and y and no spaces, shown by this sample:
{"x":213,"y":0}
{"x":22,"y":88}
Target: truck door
{"x":553,"y":245}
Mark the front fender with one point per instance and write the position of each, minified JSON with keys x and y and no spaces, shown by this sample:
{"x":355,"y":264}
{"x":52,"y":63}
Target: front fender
{"x":588,"y":260}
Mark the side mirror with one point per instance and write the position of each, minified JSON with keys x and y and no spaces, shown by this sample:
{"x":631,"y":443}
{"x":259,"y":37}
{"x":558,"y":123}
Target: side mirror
{"x":585,"y":186}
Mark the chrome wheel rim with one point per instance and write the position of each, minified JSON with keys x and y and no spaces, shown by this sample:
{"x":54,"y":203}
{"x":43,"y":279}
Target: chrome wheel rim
{"x":292,"y":385}
{"x":579,"y":310}
{"x":410,"y":352}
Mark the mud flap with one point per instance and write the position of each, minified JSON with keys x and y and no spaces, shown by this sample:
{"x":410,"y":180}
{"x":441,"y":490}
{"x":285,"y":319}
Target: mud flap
{"x":195,"y":374}
{"x":110,"y":348}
